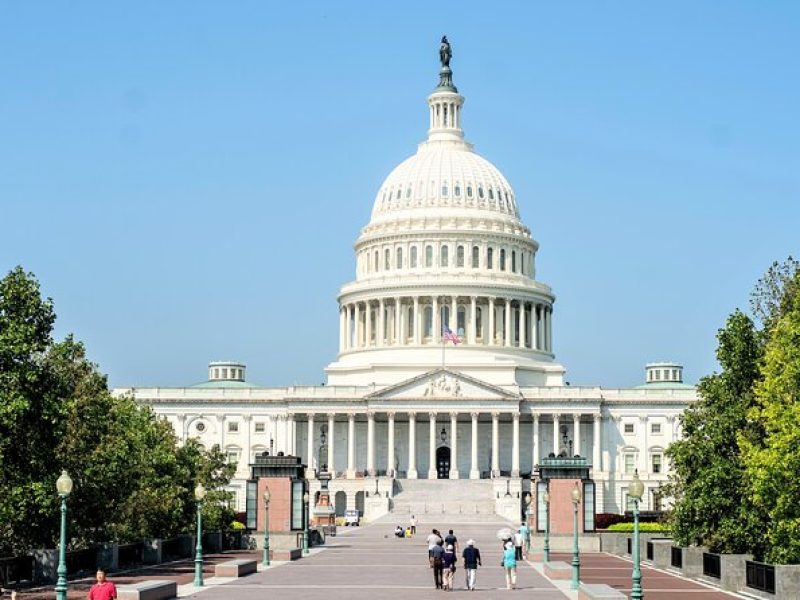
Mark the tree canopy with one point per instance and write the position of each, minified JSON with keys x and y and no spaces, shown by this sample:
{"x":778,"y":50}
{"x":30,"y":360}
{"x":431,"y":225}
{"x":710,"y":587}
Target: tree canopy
{"x":132,"y":478}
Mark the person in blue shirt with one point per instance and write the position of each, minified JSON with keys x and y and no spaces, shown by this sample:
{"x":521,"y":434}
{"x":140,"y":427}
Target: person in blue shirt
{"x":510,"y":566}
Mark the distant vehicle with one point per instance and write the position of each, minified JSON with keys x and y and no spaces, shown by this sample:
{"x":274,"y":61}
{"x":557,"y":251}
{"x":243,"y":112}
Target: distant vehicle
{"x":352,"y":517}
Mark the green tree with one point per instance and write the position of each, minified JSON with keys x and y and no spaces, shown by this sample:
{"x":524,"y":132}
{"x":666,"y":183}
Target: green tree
{"x":132,"y":479}
{"x":712,"y":506}
{"x":772,"y":461}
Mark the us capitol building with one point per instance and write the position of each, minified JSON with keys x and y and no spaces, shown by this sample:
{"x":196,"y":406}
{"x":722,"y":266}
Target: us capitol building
{"x":444,"y":250}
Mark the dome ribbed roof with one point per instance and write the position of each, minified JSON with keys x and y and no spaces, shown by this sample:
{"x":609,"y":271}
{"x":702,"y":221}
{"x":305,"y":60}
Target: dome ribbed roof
{"x":443,"y":175}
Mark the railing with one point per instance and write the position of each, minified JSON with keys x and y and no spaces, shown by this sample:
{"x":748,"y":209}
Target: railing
{"x":79,"y":561}
{"x":676,"y":557}
{"x":712,"y":565}
{"x":131,"y":554}
{"x":15,"y":569}
{"x":760,"y":576}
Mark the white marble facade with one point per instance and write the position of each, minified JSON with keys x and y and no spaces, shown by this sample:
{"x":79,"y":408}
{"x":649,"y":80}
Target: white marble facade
{"x":445,"y":247}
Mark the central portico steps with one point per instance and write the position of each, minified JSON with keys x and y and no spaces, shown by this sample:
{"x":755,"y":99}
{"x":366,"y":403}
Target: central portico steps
{"x":465,"y":498}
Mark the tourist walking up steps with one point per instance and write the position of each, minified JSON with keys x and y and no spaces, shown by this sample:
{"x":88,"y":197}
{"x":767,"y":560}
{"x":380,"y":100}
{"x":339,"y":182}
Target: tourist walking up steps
{"x":437,"y":557}
{"x":432,"y":540}
{"x":451,"y":540}
{"x":449,"y":567}
{"x":518,"y":542}
{"x":510,"y":566}
{"x":413,"y":523}
{"x":472,"y":560}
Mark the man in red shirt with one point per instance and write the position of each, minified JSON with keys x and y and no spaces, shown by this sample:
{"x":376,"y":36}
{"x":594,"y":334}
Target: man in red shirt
{"x":102,"y":590}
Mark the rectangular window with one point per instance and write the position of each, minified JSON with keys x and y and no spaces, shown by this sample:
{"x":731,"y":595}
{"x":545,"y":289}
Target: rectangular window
{"x":252,"y":504}
{"x":630,"y":462}
{"x":260,"y":428}
{"x":297,"y":504}
{"x":233,"y":427}
{"x":541,"y":507}
{"x":588,"y":506}
{"x":233,"y":456}
{"x":655,"y":428}
{"x":628,"y":427}
{"x":656,"y":500}
{"x":656,"y":463}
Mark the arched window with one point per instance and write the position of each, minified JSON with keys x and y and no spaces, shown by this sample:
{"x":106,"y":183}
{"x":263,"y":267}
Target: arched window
{"x":399,"y":262}
{"x":489,"y":255}
{"x":469,"y":191}
{"x":480,"y":193}
{"x":428,"y":256}
{"x":413,"y":264}
{"x":491,"y":193}
{"x":522,"y":262}
{"x":513,"y":261}
{"x":444,"y":190}
{"x":376,"y":260}
{"x":461,"y":318}
{"x":502,"y":259}
{"x":444,"y":256}
{"x":460,"y":256}
{"x":476,"y":257}
{"x":428,"y":324}
{"x":408,"y":192}
{"x":387,"y":257}
{"x":457,"y":190}
{"x":397,"y":197}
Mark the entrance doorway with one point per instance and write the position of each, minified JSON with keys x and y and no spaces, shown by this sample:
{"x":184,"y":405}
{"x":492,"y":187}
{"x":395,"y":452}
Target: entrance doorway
{"x":443,"y":462}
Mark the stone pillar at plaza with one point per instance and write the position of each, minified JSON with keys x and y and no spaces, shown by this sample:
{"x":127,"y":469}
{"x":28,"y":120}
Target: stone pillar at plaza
{"x":412,"y":446}
{"x":474,"y":473}
{"x":453,"y":446}
{"x":351,"y":446}
{"x":390,"y":458}
{"x":432,"y":446}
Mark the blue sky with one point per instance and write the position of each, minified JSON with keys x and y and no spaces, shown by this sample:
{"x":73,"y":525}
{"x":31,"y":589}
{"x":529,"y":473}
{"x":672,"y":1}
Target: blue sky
{"x":186,"y":179}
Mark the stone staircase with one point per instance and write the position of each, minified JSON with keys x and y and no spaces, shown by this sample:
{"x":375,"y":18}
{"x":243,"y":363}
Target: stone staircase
{"x":462,"y":498}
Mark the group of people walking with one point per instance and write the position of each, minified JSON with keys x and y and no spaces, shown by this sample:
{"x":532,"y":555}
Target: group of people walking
{"x":443,"y":554}
{"x":443,"y":558}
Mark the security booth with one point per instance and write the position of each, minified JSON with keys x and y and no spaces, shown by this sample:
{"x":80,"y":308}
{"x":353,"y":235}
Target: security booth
{"x":285,"y":512}
{"x":558,"y":477}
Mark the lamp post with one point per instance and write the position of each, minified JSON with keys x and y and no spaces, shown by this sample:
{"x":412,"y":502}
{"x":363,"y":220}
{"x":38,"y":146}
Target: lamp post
{"x":635,"y":491}
{"x":265,"y":560}
{"x":528,"y":523}
{"x":64,"y":489}
{"x":199,"y":495}
{"x":305,"y":529}
{"x":576,"y":561}
{"x":546,"y":500}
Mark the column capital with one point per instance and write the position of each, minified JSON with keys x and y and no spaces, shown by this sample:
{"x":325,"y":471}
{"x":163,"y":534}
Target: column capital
{"x":454,"y":414}
{"x":556,"y":416}
{"x":290,"y":416}
{"x":536,"y":417}
{"x":370,"y":414}
{"x":515,"y":416}
{"x":474,"y":415}
{"x":220,"y":418}
{"x":597,"y":416}
{"x":351,"y":414}
{"x":643,"y":418}
{"x":433,"y":415}
{"x":412,"y":414}
{"x":390,"y":414}
{"x":617,"y":418}
{"x":671,"y":419}
{"x":576,"y":416}
{"x":182,"y":418}
{"x":247,"y":418}
{"x":495,"y":414}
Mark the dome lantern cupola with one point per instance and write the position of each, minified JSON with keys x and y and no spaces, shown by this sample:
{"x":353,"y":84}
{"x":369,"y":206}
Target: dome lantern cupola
{"x":445,"y":102}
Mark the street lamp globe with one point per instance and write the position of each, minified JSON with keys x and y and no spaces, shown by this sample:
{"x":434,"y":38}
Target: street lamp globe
{"x":636,"y":488}
{"x":199,"y":492}
{"x":266,"y":495}
{"x":576,"y":494}
{"x":64,"y":484}
{"x":546,"y":497}
{"x":305,"y":498}
{"x":527,"y":499}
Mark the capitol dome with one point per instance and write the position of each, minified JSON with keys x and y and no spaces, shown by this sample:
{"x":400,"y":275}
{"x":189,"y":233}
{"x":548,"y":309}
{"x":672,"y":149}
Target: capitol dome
{"x":445,"y":251}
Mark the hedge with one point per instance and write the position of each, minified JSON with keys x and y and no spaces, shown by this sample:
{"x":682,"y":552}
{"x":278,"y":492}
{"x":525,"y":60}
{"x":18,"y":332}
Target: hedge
{"x":643,"y":527}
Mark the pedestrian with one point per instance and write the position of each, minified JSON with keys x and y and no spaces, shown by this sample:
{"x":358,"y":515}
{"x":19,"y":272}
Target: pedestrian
{"x":432,"y":540}
{"x":526,"y":536}
{"x":451,"y":540}
{"x":472,"y":560}
{"x":413,"y":523}
{"x":518,"y":541}
{"x":408,"y":532}
{"x":510,"y":566}
{"x":399,"y":532}
{"x":103,"y":589}
{"x":437,"y":557}
{"x":449,"y":567}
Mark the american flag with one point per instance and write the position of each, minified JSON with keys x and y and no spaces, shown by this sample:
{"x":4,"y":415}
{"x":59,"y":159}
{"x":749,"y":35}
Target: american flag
{"x":448,"y":335}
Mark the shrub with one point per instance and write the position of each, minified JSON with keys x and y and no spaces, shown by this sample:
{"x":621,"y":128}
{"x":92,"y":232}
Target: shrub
{"x":643,"y":527}
{"x":604,"y":520}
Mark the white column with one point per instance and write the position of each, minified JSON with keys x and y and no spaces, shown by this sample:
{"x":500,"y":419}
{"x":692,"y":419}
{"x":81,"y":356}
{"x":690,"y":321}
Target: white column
{"x":535,"y":443}
{"x":432,"y":446}
{"x":576,"y":433}
{"x":398,"y":329}
{"x":454,"y":315}
{"x":310,"y":441}
{"x":491,"y":321}
{"x":522,"y":325}
{"x":549,"y":329}
{"x":473,"y":319}
{"x":495,"y":444}
{"x":357,"y":325}
{"x":474,"y":473}
{"x":248,"y":451}
{"x":417,"y":324}
{"x":596,"y":443}
{"x":341,"y":328}
{"x":371,"y":443}
{"x":453,"y":445}
{"x":642,"y":436}
{"x":515,"y":445}
{"x":290,"y":450}
{"x":412,"y":446}
{"x":351,"y":446}
{"x":535,"y":328}
{"x":348,"y":332}
{"x":381,"y":323}
{"x":368,"y":320}
{"x":555,"y":433}
{"x":508,"y":323}
{"x":331,"y":438}
{"x":390,"y":441}
{"x":437,"y":322}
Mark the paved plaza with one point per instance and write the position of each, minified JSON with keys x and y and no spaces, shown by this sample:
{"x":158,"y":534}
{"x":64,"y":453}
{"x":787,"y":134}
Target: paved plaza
{"x":369,"y":562}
